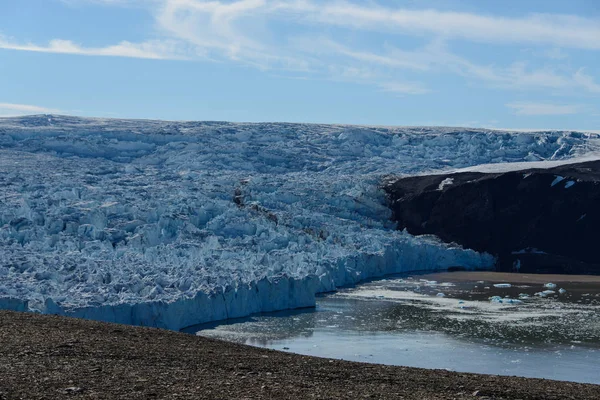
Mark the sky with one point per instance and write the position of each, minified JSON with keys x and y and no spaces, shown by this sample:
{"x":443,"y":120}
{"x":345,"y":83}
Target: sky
{"x":518,"y":64}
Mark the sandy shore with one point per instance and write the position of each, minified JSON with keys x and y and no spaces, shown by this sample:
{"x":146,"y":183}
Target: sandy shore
{"x":54,"y":357}
{"x":509,"y":277}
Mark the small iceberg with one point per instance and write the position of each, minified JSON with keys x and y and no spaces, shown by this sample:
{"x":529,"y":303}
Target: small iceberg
{"x":545,"y":293}
{"x":496,"y":299}
{"x":500,"y":300}
{"x":513,"y":301}
{"x":550,"y":285}
{"x":502,"y":285}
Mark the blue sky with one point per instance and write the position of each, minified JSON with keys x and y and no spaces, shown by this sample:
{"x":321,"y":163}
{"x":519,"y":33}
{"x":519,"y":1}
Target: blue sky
{"x":498,"y":64}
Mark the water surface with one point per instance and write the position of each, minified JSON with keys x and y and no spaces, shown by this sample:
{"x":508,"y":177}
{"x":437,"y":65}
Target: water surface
{"x":460,"y":324}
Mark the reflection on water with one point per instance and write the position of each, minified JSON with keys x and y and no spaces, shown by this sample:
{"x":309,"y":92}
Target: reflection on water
{"x":452,"y":325}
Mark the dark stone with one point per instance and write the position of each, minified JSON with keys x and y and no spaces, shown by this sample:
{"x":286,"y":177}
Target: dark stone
{"x":520,"y":217}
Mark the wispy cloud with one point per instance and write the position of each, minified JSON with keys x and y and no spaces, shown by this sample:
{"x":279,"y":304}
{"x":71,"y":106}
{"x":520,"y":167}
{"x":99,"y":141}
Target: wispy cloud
{"x":531,"y":109}
{"x":547,"y":29}
{"x":157,"y":49}
{"x":403,"y":88}
{"x":12,"y":109}
{"x":241,"y":31}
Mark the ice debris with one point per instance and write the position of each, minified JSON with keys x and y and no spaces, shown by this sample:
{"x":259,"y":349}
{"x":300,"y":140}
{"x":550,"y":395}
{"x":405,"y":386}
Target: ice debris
{"x":505,"y":300}
{"x":550,"y":285}
{"x":502,"y":285}
{"x":545,"y":293}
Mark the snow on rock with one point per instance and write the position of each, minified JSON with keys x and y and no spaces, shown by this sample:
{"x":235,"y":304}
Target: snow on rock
{"x":445,"y":182}
{"x":171,"y":224}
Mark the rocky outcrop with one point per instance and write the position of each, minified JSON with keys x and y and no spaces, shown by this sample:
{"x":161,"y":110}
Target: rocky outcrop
{"x":534,"y":220}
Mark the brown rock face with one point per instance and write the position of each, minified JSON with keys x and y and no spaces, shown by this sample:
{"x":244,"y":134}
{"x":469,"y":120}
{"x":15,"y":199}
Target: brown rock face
{"x":535,"y":220}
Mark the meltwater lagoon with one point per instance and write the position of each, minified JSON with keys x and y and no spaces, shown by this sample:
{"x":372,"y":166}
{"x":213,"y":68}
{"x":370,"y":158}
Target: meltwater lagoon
{"x":444,"y":321}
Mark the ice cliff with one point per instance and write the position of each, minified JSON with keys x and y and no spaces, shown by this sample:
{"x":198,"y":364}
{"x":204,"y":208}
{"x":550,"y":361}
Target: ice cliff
{"x":172,"y":224}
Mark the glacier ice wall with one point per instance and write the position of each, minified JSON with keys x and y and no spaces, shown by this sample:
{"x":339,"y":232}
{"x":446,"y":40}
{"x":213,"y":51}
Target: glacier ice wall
{"x":172,"y":224}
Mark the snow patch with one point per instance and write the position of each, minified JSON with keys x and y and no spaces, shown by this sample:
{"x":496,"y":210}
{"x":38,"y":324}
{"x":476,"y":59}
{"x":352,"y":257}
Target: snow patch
{"x":445,"y":182}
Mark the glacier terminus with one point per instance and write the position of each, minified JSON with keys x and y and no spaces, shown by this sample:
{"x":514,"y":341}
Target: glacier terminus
{"x":172,"y":224}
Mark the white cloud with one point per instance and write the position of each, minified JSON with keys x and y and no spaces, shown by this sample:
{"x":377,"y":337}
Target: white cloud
{"x":152,"y":49}
{"x":12,"y":109}
{"x":403,"y":88}
{"x":230,"y":29}
{"x":531,"y":109}
{"x":241,"y":31}
{"x":435,"y":57}
{"x":546,"y":29}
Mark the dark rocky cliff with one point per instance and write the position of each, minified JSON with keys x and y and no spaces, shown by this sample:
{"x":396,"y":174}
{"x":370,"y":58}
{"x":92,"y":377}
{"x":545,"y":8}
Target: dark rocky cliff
{"x":534,"y":220}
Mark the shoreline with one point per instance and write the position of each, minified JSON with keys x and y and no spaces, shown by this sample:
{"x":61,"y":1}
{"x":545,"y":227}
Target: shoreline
{"x":44,"y":356}
{"x":510,"y":277}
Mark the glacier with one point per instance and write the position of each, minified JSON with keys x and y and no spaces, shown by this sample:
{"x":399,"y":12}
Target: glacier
{"x":173,"y":224}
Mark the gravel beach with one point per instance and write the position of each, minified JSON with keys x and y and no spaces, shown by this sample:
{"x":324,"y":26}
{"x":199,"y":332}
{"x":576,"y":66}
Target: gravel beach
{"x":46,"y":357}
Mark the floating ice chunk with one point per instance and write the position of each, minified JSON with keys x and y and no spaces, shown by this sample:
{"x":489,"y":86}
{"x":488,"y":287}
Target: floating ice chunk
{"x":562,"y":291}
{"x":496,"y":299}
{"x":513,"y":301}
{"x":523,"y":296}
{"x":440,"y":295}
{"x":506,"y":300}
{"x":447,"y":284}
{"x":545,"y":293}
{"x":502,"y":285}
{"x":569,"y":184}
{"x":557,"y":180}
{"x":550,"y":285}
